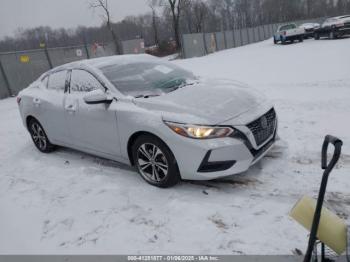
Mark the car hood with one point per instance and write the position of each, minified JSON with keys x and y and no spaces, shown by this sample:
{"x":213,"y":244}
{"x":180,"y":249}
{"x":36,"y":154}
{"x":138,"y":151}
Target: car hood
{"x":308,"y":26}
{"x":206,"y":102}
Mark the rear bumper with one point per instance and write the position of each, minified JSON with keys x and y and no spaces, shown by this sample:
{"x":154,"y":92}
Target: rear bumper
{"x":281,"y":38}
{"x":293,"y":37}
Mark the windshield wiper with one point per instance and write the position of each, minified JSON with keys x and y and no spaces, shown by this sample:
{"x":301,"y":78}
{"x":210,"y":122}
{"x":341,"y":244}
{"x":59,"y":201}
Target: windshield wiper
{"x":172,"y":89}
{"x":176,"y":87}
{"x":146,"y":96}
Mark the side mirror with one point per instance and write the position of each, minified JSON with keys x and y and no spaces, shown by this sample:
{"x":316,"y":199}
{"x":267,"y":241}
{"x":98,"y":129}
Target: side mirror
{"x":97,"y":97}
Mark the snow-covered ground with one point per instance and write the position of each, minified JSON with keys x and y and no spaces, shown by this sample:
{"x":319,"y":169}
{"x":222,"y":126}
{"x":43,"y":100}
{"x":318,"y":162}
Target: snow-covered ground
{"x":70,"y":202}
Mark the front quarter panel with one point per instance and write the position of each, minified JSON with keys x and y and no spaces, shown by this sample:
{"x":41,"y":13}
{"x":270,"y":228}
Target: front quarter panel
{"x":132,"y":119}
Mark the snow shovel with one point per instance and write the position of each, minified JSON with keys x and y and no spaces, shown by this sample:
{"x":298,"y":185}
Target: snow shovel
{"x":325,"y":226}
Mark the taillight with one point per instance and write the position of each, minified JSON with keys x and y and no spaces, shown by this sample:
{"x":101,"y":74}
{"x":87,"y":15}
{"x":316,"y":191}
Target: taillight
{"x":284,"y":33}
{"x":18,"y":100}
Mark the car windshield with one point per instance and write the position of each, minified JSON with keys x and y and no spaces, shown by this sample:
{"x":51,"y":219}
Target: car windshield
{"x":145,"y":79}
{"x":330,"y":20}
{"x":288,"y":27}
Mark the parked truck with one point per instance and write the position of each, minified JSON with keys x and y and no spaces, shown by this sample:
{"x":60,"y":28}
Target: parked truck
{"x":289,"y":33}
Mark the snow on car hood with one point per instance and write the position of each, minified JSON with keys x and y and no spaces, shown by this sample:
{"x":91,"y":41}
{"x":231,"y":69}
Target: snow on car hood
{"x":207,"y":102}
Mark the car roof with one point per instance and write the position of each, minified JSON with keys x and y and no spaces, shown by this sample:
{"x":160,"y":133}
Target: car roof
{"x":283,"y":25}
{"x":106,"y":61}
{"x":288,"y":24}
{"x":310,"y":23}
{"x":340,"y":17}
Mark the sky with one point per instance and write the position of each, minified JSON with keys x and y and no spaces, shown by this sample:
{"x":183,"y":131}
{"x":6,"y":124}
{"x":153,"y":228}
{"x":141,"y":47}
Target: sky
{"x":60,"y":13}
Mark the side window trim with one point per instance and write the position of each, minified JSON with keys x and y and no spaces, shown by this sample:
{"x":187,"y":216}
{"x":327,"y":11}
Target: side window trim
{"x":69,"y":78}
{"x":45,"y":81}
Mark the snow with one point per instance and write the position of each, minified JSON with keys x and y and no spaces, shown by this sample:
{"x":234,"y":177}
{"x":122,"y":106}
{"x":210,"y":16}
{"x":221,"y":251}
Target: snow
{"x":171,"y":57}
{"x":69,"y":202}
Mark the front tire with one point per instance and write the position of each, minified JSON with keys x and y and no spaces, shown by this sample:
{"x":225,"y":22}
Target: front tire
{"x":39,"y":137}
{"x":155,"y":162}
{"x":317,"y":36}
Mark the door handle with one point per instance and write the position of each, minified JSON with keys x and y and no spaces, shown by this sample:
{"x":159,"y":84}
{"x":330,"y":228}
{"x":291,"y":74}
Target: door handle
{"x":36,"y":101}
{"x":70,"y":108}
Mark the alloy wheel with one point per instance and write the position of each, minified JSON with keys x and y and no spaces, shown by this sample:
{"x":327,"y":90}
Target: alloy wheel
{"x":152,"y":163}
{"x":38,"y":136}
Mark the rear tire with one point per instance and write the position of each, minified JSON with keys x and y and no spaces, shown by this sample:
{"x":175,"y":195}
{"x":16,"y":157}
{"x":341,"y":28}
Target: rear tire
{"x":301,"y":39}
{"x":39,"y":137}
{"x":155,"y":162}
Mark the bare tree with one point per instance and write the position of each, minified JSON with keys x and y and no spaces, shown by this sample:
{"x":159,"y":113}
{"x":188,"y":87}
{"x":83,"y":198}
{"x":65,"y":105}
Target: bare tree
{"x":200,"y":11}
{"x":229,"y":14}
{"x":181,"y":14}
{"x":188,"y":19}
{"x":153,"y":4}
{"x":176,"y":8}
{"x":308,"y":7}
{"x":103,"y":5}
{"x":223,"y":13}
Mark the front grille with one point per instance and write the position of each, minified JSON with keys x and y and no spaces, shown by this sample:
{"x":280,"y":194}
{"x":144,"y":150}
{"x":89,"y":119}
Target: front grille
{"x":346,"y":26}
{"x":264,"y":127}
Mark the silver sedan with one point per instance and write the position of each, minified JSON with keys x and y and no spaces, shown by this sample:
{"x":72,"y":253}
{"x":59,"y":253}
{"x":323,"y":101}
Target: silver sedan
{"x":150,"y":114}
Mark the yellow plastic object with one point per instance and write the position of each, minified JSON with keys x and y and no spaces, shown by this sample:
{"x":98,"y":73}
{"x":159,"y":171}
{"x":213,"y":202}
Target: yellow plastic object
{"x":24,"y":59}
{"x":332,"y":230}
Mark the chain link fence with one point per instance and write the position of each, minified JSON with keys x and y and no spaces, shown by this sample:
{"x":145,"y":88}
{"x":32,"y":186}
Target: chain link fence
{"x":19,"y":69}
{"x":201,"y":44}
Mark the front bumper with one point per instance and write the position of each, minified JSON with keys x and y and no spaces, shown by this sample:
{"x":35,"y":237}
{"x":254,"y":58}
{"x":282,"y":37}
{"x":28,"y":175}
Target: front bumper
{"x":343,"y":30}
{"x":309,"y":33}
{"x":215,"y":158}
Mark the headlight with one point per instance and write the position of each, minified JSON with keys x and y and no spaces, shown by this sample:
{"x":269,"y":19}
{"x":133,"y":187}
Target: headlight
{"x":199,"y":132}
{"x":340,"y":25}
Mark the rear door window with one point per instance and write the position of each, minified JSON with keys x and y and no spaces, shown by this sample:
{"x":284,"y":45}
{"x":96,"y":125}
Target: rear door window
{"x":57,"y":81}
